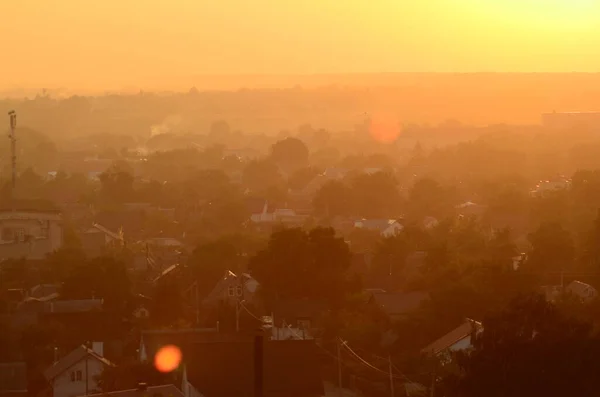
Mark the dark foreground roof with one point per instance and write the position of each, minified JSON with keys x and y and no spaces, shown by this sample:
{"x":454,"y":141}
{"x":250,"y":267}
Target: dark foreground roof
{"x":226,"y":369}
{"x":13,"y":378}
{"x":154,"y":391}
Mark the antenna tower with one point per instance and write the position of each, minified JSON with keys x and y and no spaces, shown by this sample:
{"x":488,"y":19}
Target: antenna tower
{"x":13,"y":145}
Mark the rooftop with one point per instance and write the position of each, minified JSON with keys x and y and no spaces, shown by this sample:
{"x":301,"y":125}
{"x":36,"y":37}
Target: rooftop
{"x":71,"y":359}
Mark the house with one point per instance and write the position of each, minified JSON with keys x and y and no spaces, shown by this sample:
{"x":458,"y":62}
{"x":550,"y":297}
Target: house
{"x":43,"y":290}
{"x":232,"y":288}
{"x":97,"y":238}
{"x":429,"y":222}
{"x":543,"y":188}
{"x":386,"y":227}
{"x":77,"y":373}
{"x":575,"y":289}
{"x":470,"y":208}
{"x":143,"y":391}
{"x":29,"y":229}
{"x":73,"y":306}
{"x":295,"y":319}
{"x":164,"y":242}
{"x":226,"y":369}
{"x":398,"y":304}
{"x":583,"y":291}
{"x":13,"y":379}
{"x":277,"y":215}
{"x":459,"y":338}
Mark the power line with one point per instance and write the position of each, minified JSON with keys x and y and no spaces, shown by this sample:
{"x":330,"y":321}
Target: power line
{"x":365,"y":362}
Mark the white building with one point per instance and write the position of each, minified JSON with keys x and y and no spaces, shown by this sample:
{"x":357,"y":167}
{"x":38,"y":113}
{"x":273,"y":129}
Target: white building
{"x":77,"y":373}
{"x":26,"y":232}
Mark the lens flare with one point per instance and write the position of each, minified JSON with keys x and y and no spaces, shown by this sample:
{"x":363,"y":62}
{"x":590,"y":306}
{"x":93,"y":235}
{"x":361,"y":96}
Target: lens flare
{"x":384,"y":127}
{"x":167,"y":358}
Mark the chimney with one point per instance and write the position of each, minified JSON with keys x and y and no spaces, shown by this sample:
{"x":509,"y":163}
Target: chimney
{"x":98,"y":348}
{"x":142,"y":386}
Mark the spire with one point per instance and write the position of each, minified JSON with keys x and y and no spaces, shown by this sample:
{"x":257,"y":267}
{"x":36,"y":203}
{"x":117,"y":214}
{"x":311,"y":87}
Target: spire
{"x":142,"y":351}
{"x":185,"y":389}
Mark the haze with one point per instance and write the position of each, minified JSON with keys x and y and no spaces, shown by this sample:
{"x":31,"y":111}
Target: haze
{"x":159,"y":44}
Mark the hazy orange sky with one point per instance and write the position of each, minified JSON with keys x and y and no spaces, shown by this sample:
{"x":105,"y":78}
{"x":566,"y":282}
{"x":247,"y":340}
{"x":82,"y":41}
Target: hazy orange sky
{"x":108,"y":42}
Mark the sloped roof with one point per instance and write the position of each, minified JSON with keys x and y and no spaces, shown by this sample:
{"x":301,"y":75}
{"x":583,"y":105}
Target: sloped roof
{"x":580,"y":288}
{"x":464,"y":330}
{"x":377,"y":224}
{"x":223,"y":369}
{"x":400,"y":302}
{"x":71,"y":359}
{"x":42,"y":290}
{"x":74,"y":306}
{"x":247,"y":281}
{"x":13,"y":377}
{"x":106,"y":231}
{"x":154,"y":391}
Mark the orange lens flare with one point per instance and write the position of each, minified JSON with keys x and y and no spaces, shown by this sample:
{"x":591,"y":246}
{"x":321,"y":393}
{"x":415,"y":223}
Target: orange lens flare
{"x":168,"y":358}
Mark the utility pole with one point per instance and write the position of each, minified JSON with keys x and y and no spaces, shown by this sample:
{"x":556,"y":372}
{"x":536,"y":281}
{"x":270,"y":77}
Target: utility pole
{"x":339,"y":360}
{"x":237,"y":315}
{"x":86,"y":368}
{"x":13,"y":145}
{"x":391,"y":375}
{"x":258,"y":365}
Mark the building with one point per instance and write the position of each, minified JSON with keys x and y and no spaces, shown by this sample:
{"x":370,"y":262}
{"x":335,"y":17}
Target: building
{"x":13,"y":379}
{"x":143,"y":391}
{"x":29,"y":229}
{"x":460,"y":338}
{"x":231,"y":289}
{"x":77,"y":373}
{"x":385,"y":227}
{"x":227,"y":369}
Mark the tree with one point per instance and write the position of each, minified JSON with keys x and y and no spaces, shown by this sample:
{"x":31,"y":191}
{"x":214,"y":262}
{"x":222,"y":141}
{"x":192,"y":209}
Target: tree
{"x":528,"y":349}
{"x":302,"y":177}
{"x":167,"y":306}
{"x":332,"y":199}
{"x":117,"y":183}
{"x":103,"y":278}
{"x":259,"y":175}
{"x":375,"y":195}
{"x":290,"y":154}
{"x":551,"y":248}
{"x":591,"y":248}
{"x":210,"y":261}
{"x":298,"y":264}
{"x":428,"y":198}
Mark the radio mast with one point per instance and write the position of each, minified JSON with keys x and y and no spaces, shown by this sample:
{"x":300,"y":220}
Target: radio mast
{"x":13,"y":145}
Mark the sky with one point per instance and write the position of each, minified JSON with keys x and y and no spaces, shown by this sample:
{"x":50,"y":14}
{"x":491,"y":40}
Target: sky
{"x":138,"y":42}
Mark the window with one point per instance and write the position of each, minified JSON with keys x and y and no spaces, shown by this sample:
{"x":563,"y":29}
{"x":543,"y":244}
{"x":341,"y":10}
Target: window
{"x":73,"y":376}
{"x":238,"y":290}
{"x":78,"y":375}
{"x":231,"y":290}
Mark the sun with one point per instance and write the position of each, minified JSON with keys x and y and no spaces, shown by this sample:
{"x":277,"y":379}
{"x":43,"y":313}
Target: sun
{"x":540,"y":14}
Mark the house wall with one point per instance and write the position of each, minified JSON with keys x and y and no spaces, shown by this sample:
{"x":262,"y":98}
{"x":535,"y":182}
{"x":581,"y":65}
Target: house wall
{"x":35,"y":249}
{"x":63,"y":386}
{"x":464,"y":343}
{"x":45,"y":228}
